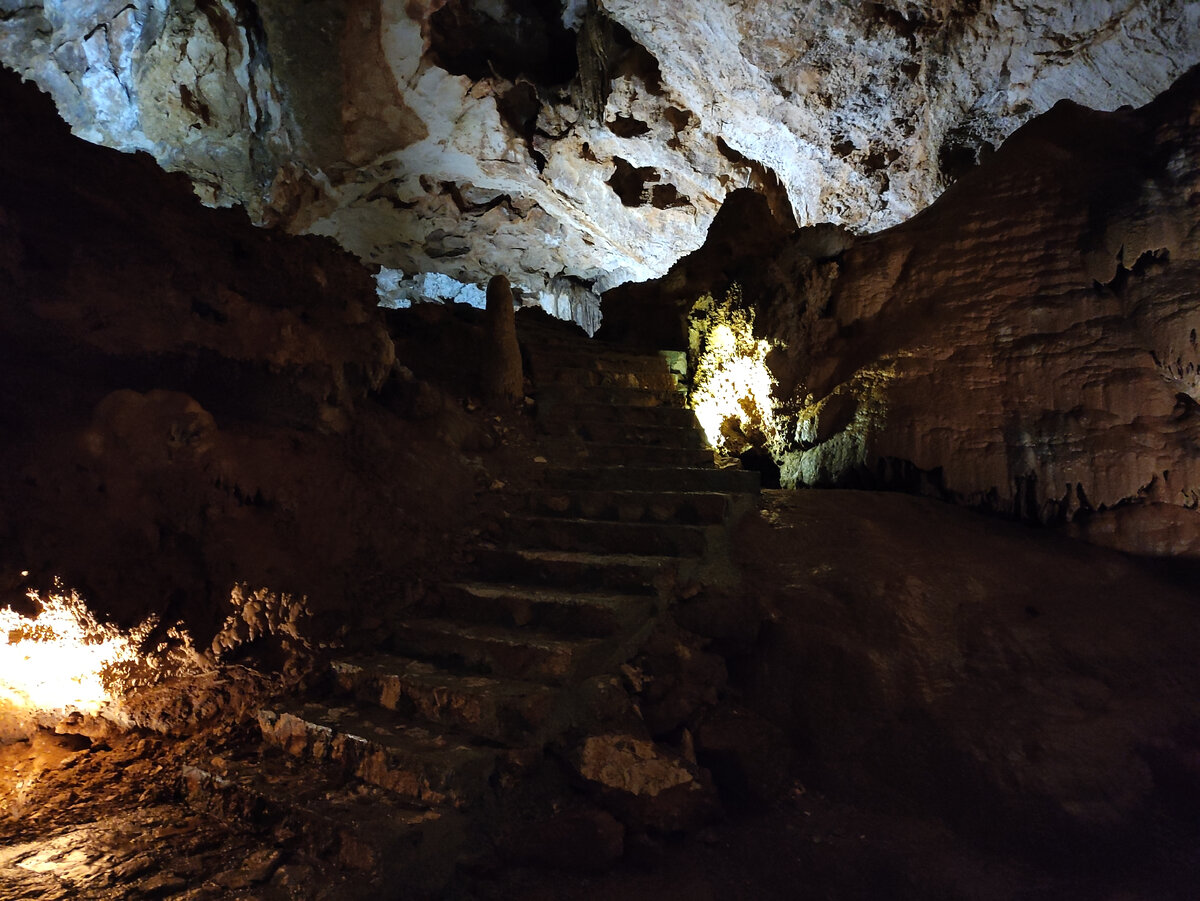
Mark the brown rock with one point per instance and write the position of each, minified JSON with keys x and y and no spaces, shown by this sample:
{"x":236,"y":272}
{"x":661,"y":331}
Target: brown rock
{"x":647,"y":786}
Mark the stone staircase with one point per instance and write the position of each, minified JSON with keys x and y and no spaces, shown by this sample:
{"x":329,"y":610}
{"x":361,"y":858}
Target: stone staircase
{"x":409,"y":746}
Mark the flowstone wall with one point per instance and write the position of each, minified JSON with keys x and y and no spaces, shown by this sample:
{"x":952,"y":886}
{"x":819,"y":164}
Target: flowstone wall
{"x":1027,"y":344}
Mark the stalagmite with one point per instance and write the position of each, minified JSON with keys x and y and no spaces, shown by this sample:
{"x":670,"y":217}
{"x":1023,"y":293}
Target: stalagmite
{"x":502,"y":375}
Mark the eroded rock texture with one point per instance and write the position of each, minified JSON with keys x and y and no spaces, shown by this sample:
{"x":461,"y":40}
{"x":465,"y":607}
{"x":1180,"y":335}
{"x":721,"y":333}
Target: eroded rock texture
{"x":577,"y":145}
{"x":1028,"y":343}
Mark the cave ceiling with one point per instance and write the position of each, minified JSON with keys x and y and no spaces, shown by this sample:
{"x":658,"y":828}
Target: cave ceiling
{"x":576,"y":144}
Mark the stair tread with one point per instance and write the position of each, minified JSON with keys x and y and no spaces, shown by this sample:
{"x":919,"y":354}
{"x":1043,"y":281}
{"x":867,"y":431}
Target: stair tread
{"x":286,"y":782}
{"x":515,"y":636}
{"x":549,"y":554}
{"x":542,"y":592}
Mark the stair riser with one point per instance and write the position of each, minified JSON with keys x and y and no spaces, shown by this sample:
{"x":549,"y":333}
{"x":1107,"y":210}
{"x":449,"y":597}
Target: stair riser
{"x":602,"y":432}
{"x":600,"y":537}
{"x":506,"y":566}
{"x":662,"y":416}
{"x":576,"y":620}
{"x":508,"y":719}
{"x":581,"y":454}
{"x":636,"y":479}
{"x":680,"y":507}
{"x":415,"y":778}
{"x":514,"y":661}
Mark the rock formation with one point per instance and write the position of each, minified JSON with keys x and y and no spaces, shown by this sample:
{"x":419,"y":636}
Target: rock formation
{"x":503,"y":375}
{"x":177,"y":385}
{"x":1027,"y":344}
{"x":408,"y":131}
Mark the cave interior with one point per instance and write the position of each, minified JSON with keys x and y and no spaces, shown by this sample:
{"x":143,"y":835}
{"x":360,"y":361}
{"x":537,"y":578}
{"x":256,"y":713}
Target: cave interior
{"x":545,"y":449}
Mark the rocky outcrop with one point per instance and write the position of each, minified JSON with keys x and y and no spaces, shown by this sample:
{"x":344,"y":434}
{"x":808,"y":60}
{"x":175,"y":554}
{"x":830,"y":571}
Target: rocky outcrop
{"x":1027,"y":344}
{"x":549,"y":139}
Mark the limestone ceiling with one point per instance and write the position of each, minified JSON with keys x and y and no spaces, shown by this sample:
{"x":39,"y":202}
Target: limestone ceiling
{"x":576,"y":144}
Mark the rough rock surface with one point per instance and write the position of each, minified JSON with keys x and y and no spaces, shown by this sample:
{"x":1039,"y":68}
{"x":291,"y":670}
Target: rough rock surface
{"x":1024,"y":680}
{"x":648,"y":786}
{"x":1027,"y":344}
{"x":550,"y":139}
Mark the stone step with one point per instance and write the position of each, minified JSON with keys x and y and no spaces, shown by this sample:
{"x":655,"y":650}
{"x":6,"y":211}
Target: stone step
{"x":580,"y":454}
{"x":614,"y":432}
{"x":633,"y":478}
{"x":514,"y":653}
{"x":632,"y":573}
{"x":633,"y":506}
{"x":606,"y":536}
{"x":595,"y":614}
{"x":384,"y":749}
{"x":576,"y":411}
{"x":379,"y":841}
{"x":507,"y":711}
{"x":656,"y":380}
{"x":550,"y":395}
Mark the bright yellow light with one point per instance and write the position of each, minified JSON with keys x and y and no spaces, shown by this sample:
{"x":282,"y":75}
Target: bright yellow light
{"x":732,"y":388}
{"x":63,"y":661}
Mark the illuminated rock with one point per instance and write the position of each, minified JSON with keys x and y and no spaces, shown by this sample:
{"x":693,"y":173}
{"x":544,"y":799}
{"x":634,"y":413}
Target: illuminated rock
{"x":421,"y":140}
{"x":1029,"y":343}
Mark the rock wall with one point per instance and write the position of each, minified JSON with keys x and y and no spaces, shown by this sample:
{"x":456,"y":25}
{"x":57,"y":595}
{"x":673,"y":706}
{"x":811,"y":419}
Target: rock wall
{"x":192,"y":403}
{"x":1028,"y":343}
{"x":576,"y":145}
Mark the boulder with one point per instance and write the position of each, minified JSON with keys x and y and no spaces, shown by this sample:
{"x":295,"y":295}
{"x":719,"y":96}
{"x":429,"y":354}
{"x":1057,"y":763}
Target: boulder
{"x":645,"y":785}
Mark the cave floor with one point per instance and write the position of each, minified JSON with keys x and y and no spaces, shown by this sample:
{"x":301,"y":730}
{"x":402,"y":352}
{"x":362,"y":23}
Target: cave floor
{"x":108,"y":822}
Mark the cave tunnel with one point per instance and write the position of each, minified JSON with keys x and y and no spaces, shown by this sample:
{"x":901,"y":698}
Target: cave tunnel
{"x":590,"y":449}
